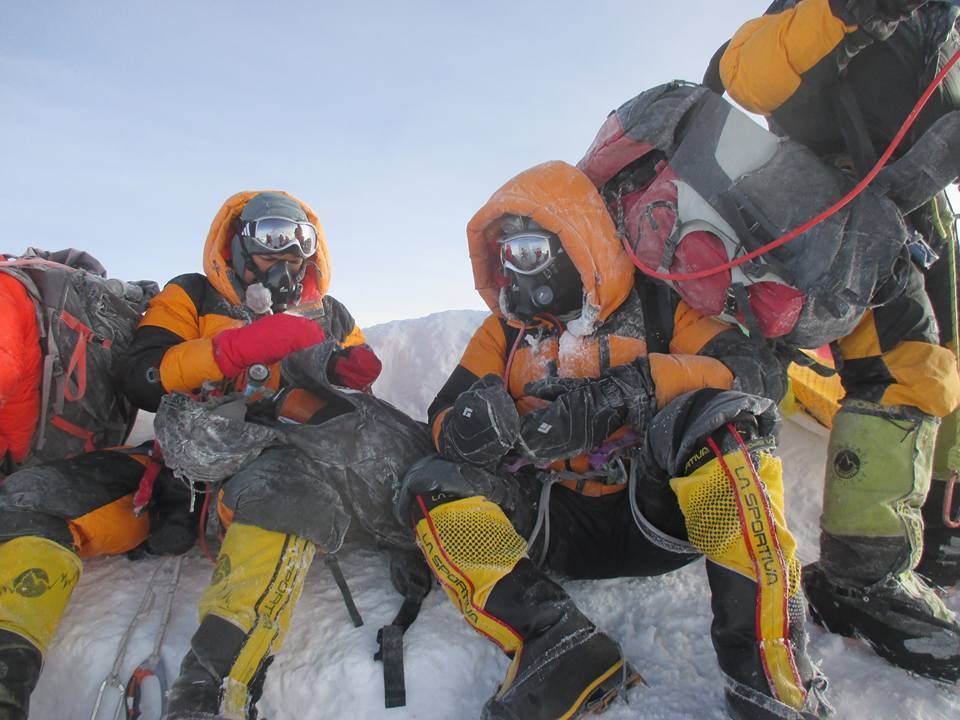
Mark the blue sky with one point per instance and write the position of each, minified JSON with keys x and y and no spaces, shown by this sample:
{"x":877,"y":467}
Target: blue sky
{"x":125,"y":125}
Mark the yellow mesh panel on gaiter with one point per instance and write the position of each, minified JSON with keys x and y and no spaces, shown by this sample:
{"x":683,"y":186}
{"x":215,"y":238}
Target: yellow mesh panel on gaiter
{"x":734,"y":514}
{"x":470,"y":545}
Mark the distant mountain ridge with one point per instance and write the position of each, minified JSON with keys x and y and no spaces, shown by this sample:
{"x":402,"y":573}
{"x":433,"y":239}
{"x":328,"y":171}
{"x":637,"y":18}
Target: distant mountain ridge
{"x":419,"y":354}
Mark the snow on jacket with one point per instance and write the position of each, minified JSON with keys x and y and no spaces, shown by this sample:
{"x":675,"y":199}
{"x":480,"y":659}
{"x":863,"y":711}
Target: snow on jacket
{"x":173,"y":345}
{"x":611,"y":329}
{"x":20,"y":369}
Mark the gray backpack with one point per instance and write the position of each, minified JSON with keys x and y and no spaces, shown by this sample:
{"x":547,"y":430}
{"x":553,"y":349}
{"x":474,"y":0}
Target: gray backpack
{"x":86,"y":323}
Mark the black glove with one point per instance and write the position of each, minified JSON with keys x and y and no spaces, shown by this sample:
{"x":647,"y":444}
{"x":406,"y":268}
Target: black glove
{"x":639,"y":396}
{"x":482,"y":426}
{"x":584,"y":412}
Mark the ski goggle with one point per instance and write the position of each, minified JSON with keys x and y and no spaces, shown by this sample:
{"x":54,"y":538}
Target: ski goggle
{"x":529,"y":253}
{"x":272,"y":235}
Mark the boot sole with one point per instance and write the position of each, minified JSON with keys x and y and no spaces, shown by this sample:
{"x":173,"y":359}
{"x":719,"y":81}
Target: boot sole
{"x":608,"y":691}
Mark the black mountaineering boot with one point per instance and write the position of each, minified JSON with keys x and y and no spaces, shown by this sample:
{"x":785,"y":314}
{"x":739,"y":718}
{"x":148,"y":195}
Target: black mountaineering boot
{"x":565,"y":667}
{"x":562,"y":665}
{"x":900,"y":618}
{"x":197,"y":691}
{"x":20,"y":664}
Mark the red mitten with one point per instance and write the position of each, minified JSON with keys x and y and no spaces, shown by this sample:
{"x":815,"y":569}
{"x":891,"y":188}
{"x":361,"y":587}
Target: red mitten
{"x":354,"y":367}
{"x":267,"y":340}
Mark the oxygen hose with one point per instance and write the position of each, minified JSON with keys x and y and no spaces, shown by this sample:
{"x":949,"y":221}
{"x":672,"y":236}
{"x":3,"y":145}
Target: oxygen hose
{"x":836,"y":207}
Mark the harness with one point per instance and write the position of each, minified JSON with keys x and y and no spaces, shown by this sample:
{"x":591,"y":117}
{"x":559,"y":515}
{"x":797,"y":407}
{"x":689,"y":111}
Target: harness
{"x":618,"y":467}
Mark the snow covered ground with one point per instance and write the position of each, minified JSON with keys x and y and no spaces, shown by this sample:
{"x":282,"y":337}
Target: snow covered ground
{"x":326,"y":668}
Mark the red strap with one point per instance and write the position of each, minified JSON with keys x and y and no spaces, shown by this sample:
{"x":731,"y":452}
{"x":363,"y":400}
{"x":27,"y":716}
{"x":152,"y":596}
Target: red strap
{"x":948,"y":518}
{"x":75,"y":430}
{"x":78,"y":361}
{"x":145,"y":490}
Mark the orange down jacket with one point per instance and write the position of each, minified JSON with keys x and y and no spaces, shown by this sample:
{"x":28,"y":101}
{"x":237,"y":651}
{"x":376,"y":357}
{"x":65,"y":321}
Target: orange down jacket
{"x":20,"y":369}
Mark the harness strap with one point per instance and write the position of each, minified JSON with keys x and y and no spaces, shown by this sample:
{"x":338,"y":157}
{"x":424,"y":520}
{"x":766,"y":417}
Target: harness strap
{"x":584,"y":483}
{"x":592,"y":488}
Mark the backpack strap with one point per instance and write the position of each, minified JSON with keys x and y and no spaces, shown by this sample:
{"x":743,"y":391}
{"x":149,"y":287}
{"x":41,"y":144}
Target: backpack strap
{"x":341,"y":582}
{"x":411,"y":577}
{"x":853,"y":126}
{"x":78,"y":359}
{"x":68,"y":427}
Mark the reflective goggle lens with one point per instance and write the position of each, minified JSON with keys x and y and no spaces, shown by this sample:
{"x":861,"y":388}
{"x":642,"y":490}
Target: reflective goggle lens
{"x":275,"y":235}
{"x":526,"y":254}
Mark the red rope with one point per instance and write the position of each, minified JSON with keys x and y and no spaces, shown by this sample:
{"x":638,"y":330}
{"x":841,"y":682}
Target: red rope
{"x":839,"y":205}
{"x":948,"y":518}
{"x":510,"y":355}
{"x":202,"y":527}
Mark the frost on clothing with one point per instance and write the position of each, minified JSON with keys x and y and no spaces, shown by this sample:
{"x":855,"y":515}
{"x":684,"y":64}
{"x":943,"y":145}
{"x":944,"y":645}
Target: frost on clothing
{"x":557,"y":455}
{"x":312,"y":480}
{"x":84,"y":506}
{"x":716,"y":185}
{"x":173,"y":347}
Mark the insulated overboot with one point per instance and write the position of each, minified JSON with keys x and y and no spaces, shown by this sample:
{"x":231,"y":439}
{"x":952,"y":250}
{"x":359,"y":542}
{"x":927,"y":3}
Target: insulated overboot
{"x":562,"y":666}
{"x":245,"y":612}
{"x":20,"y":663}
{"x":566,"y":668}
{"x":878,"y":472}
{"x":899,"y":617}
{"x":733,"y":510}
{"x":37,"y":577}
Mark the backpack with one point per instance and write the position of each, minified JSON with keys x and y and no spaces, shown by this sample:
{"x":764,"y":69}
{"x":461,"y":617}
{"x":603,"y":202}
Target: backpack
{"x":692,"y":182}
{"x":86,"y":323}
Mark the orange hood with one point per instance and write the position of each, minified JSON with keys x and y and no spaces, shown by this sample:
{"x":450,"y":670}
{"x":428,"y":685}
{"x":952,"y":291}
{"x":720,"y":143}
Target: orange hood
{"x":216,"y":251}
{"x":564,"y":201}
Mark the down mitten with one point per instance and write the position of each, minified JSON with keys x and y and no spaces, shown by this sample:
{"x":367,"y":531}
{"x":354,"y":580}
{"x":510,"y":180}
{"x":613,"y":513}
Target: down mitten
{"x":354,"y":367}
{"x":583,"y":412}
{"x":482,"y":426}
{"x":267,"y":341}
